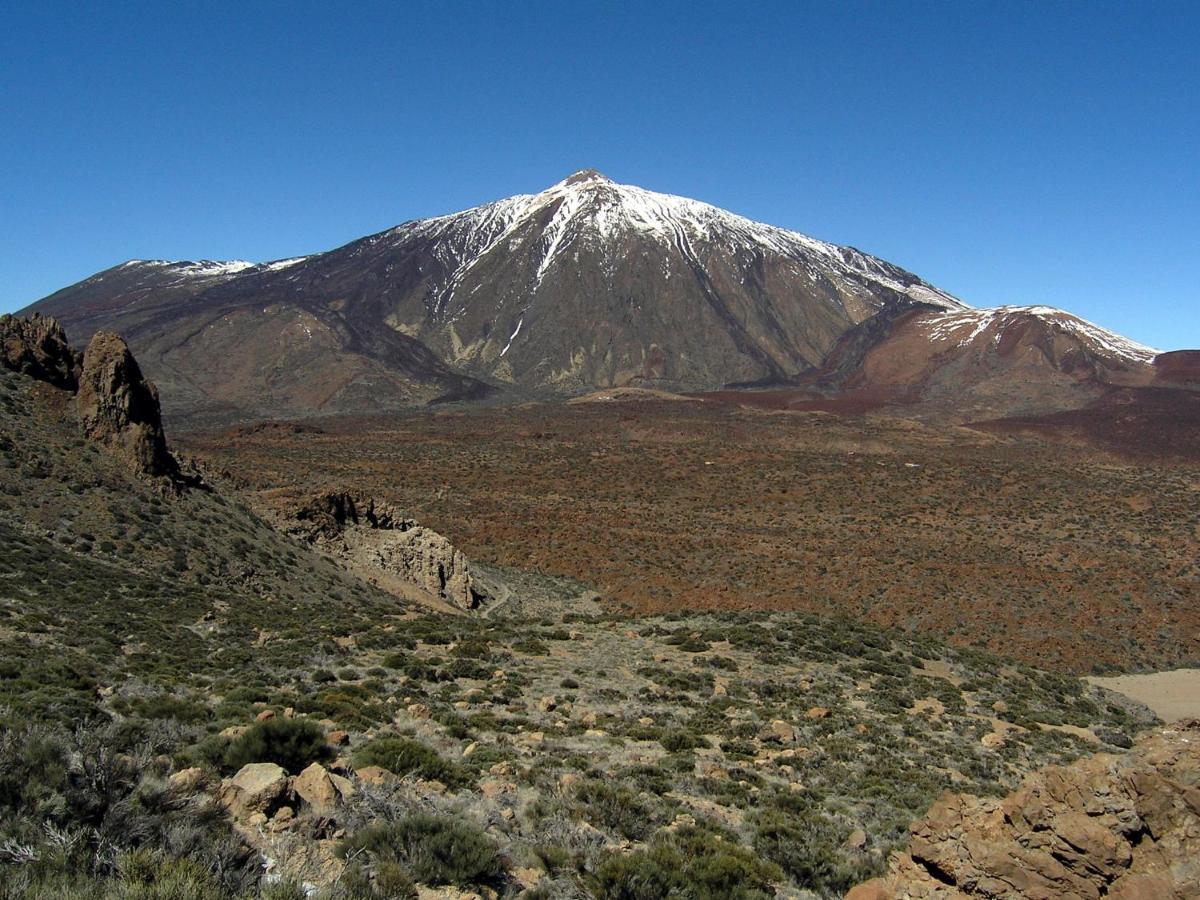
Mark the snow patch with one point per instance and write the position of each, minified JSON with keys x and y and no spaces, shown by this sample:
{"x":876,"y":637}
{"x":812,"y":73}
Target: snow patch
{"x":281,"y":264}
{"x":516,"y":331}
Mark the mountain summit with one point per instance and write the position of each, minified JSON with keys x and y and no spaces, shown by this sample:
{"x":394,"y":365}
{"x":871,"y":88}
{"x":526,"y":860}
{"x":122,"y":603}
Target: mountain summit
{"x":587,"y":284}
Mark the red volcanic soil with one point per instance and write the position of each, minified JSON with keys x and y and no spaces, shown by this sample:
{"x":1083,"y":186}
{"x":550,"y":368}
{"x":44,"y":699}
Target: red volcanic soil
{"x":1052,"y":554}
{"x":1144,"y":424}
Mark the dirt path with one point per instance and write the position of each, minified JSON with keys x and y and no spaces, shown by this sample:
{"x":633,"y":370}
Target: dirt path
{"x":1172,"y":695}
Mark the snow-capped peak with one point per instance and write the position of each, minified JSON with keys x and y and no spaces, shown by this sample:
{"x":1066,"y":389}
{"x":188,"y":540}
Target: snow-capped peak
{"x":587,"y":206}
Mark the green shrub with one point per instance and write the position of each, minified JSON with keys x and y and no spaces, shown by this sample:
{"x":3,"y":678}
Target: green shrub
{"x":690,"y":863}
{"x":147,"y":875}
{"x":392,"y":881}
{"x":283,"y":890}
{"x":65,"y":794}
{"x":809,"y":848}
{"x":402,"y":756}
{"x":431,"y":849}
{"x":290,"y":743}
{"x":531,"y":647}
{"x":618,"y":808}
{"x":679,"y":739}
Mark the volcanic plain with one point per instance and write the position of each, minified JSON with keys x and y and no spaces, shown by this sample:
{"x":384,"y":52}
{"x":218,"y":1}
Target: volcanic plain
{"x":1068,"y":556}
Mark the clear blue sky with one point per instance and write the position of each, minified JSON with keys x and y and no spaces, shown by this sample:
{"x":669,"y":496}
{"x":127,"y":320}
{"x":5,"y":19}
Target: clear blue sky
{"x":1019,"y":152}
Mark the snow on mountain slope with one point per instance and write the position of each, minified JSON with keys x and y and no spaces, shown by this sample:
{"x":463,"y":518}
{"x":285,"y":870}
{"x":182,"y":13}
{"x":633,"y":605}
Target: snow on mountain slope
{"x":588,"y":208}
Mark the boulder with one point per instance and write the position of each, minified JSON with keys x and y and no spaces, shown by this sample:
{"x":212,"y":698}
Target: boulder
{"x":256,"y":788}
{"x":375,"y":776}
{"x":320,"y":789}
{"x":993,"y":740}
{"x":875,"y":889}
{"x":375,"y":535}
{"x":187,"y":781}
{"x":778,"y":732}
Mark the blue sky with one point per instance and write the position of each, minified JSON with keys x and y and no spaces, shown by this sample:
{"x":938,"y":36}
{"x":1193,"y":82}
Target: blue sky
{"x":1032,"y":152}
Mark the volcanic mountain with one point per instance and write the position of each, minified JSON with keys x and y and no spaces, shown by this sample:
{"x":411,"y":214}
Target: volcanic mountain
{"x":588,"y":284}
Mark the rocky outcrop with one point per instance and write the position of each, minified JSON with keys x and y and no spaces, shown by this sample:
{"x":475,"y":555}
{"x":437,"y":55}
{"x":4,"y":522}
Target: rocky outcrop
{"x":116,"y":405}
{"x":119,"y":408}
{"x":328,"y":515}
{"x":38,"y":347}
{"x":1112,"y":826}
{"x":375,"y":538}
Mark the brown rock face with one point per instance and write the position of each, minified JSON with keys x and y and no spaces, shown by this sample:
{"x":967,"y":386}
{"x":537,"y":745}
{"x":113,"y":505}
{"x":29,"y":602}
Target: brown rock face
{"x":1115,"y":826}
{"x":119,"y":407}
{"x":37,"y":347}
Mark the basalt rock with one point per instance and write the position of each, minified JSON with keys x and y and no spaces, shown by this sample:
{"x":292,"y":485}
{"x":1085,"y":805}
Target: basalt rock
{"x":38,"y":347}
{"x":1123,"y":826}
{"x":119,"y":408}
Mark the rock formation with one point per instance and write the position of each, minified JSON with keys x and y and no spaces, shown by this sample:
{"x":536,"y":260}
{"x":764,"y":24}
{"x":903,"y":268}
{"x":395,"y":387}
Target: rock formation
{"x":116,"y":405}
{"x":37,"y":347}
{"x":377,"y":539}
{"x":1112,"y":826}
{"x":119,"y":408}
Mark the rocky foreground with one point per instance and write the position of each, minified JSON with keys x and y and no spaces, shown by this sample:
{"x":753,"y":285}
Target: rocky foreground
{"x":1124,"y":826}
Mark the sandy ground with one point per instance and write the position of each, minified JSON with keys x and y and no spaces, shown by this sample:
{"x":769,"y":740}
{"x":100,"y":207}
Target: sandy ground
{"x":1172,"y":695}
